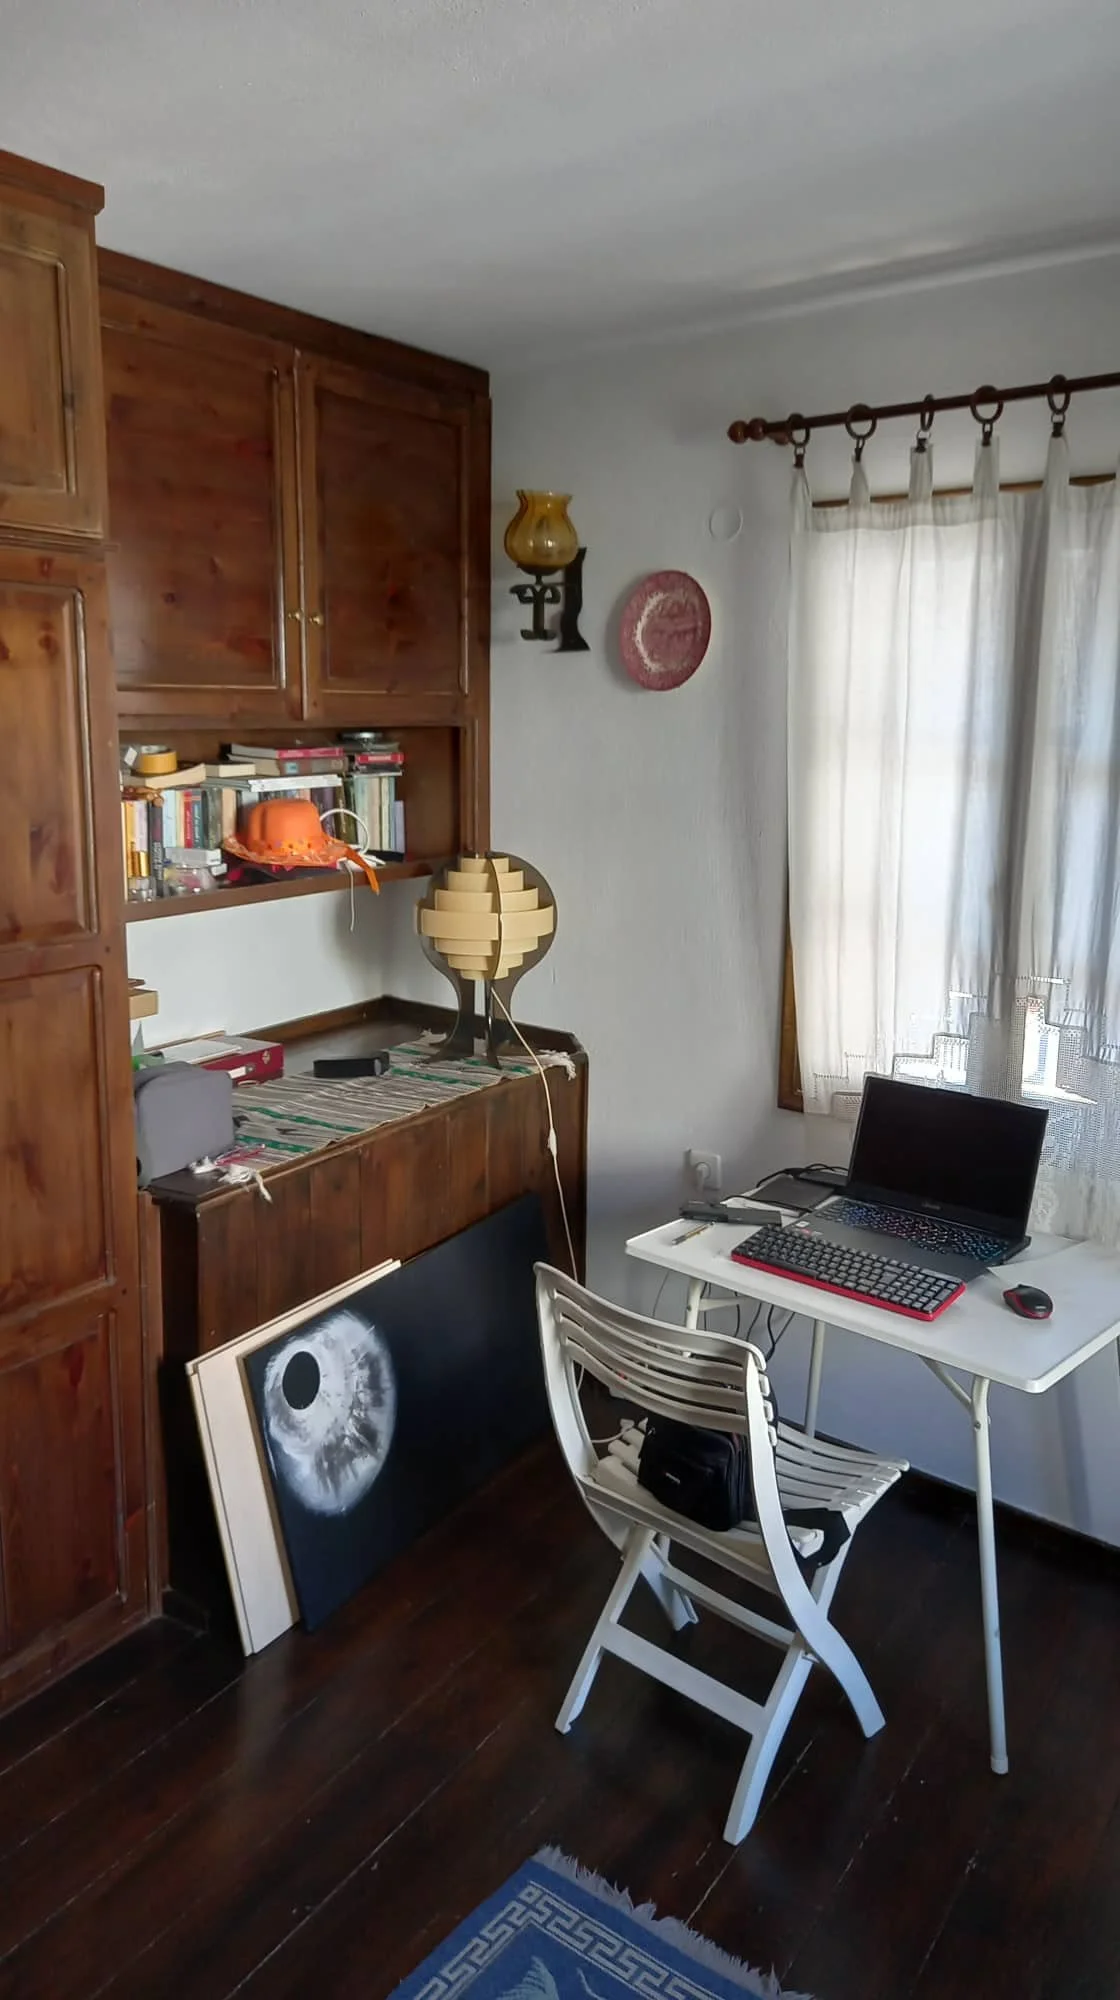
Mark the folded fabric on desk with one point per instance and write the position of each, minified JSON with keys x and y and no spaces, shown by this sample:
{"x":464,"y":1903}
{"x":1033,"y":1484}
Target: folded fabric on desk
{"x":287,"y":1119}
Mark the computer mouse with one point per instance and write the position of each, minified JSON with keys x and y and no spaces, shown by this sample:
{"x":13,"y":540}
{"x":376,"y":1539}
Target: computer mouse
{"x":1029,"y":1302}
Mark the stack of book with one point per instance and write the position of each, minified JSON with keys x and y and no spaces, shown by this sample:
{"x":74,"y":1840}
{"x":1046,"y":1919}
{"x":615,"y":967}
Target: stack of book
{"x":179,"y":820}
{"x":370,"y":765}
{"x":141,"y":842}
{"x":376,"y":767}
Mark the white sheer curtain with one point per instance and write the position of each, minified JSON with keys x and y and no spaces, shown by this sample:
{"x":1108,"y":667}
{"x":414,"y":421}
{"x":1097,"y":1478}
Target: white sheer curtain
{"x":954,"y":785}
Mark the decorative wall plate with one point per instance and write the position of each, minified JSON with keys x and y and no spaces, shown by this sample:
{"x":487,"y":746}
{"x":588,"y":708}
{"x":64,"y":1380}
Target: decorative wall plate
{"x":666,"y":626}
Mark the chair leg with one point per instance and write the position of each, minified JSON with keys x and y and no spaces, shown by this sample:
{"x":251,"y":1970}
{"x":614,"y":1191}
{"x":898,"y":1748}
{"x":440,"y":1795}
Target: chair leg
{"x":826,"y":1645}
{"x":675,"y":1603}
{"x":636,"y":1553}
{"x":766,"y":1742}
{"x":818,"y":1640}
{"x":836,"y":1654}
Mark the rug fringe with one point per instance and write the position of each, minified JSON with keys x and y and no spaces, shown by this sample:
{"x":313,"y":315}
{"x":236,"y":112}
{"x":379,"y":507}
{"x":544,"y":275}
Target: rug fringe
{"x":697,"y":1947}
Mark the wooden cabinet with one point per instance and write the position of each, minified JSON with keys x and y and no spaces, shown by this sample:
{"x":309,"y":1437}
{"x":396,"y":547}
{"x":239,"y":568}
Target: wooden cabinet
{"x":299,"y":516}
{"x":72,"y":1501}
{"x":387,"y":503}
{"x":204,"y":571}
{"x":300,"y":536}
{"x":52,"y":453}
{"x":230,"y":1261}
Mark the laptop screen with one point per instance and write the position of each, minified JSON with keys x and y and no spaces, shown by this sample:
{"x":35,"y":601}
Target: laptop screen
{"x":970,"y":1159}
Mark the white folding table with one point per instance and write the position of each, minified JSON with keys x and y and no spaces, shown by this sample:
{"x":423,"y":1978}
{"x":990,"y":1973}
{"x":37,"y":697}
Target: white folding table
{"x":978,"y":1337}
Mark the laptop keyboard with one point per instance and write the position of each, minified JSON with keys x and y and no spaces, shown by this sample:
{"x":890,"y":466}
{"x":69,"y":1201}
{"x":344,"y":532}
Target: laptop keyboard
{"x":794,"y":1252}
{"x":927,"y":1230}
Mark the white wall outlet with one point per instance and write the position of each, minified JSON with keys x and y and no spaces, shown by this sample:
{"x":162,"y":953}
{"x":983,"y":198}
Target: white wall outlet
{"x":704,"y":1170}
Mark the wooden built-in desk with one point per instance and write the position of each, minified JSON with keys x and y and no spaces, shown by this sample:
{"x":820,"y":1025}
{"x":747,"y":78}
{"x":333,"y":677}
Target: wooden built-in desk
{"x":230,"y":1260}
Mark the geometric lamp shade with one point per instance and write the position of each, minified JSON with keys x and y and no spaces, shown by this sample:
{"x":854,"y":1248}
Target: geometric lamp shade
{"x":489,"y":918}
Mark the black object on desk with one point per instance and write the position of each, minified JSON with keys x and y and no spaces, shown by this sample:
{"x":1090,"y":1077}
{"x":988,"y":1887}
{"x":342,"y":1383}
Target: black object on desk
{"x":721,"y":1211}
{"x":375,"y":1065}
{"x":1029,"y":1302}
{"x":789,"y":1191}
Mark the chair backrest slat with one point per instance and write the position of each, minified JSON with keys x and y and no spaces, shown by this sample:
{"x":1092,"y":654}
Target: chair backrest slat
{"x":699,"y":1378}
{"x":702,"y":1384}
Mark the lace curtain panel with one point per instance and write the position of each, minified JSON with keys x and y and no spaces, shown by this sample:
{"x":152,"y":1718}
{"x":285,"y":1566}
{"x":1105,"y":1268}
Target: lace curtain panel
{"x":954,"y":788}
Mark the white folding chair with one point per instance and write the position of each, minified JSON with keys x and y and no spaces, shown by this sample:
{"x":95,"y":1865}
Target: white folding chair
{"x":710,"y":1382}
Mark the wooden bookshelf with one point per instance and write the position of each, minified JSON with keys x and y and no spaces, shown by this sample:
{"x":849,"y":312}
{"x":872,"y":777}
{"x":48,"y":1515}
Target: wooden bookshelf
{"x":272,"y":892}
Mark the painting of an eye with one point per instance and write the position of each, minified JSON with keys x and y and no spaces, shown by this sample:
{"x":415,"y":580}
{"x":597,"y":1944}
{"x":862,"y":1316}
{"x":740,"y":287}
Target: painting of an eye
{"x":373,"y":1409}
{"x":328,"y":1408}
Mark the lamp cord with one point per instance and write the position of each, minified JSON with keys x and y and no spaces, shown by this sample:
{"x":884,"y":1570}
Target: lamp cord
{"x":552,"y":1142}
{"x":552,"y":1145}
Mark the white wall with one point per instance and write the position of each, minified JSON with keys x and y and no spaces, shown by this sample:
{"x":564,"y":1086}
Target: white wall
{"x":259,"y":964}
{"x":659,"y":819}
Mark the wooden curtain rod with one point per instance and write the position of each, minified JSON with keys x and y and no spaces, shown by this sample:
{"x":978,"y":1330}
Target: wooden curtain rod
{"x":863,"y":419}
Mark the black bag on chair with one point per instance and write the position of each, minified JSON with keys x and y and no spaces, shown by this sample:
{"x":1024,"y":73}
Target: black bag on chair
{"x":706,"y":1476}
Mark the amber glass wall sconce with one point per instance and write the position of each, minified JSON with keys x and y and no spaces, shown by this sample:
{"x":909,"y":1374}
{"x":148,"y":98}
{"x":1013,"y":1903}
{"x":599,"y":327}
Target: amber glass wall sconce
{"x":541,"y":540}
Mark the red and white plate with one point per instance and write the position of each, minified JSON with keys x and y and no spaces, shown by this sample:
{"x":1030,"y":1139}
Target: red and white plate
{"x":666,"y":626}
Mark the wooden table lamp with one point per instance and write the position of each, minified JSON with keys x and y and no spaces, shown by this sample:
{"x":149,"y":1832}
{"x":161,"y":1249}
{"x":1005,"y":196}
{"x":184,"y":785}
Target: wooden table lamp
{"x":485,"y":917}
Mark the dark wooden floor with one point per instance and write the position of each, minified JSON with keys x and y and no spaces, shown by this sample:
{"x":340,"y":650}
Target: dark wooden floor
{"x":174,"y":1821}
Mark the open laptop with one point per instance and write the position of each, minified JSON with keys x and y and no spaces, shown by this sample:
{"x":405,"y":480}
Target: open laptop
{"x":938,"y":1178}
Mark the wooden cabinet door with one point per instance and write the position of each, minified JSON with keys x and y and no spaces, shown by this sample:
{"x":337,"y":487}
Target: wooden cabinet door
{"x":387,"y":511}
{"x":203,"y":558}
{"x":72,"y":1506}
{"x":52,"y":438}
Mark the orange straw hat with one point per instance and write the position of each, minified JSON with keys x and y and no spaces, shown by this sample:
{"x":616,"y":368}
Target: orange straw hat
{"x":288,"y":833}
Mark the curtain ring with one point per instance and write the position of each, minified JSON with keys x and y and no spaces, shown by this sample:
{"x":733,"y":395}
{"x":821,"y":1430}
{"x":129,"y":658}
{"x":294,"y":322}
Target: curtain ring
{"x":986,"y":394}
{"x":1058,"y":397}
{"x":797,"y":431}
{"x":925,"y":424}
{"x":859,"y":413}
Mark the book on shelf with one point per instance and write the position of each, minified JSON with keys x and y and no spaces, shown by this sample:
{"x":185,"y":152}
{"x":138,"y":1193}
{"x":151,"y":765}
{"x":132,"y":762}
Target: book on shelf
{"x":291,"y":767}
{"x":194,"y":857}
{"x":187,"y":774}
{"x":298,"y":753}
{"x":157,"y":852}
{"x":373,"y":801}
{"x":299,"y":782}
{"x":199,"y":815}
{"x":136,"y":844}
{"x":183,"y":819}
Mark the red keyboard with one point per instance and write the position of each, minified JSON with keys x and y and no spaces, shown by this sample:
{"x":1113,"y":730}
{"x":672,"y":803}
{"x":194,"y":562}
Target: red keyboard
{"x":792,"y":1251}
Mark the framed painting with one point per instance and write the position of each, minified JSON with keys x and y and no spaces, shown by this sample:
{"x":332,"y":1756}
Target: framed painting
{"x":378,"y":1411}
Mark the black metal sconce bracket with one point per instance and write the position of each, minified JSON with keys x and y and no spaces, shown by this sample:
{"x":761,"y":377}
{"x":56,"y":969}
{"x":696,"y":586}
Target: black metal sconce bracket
{"x":538,"y":594}
{"x":563,"y":587}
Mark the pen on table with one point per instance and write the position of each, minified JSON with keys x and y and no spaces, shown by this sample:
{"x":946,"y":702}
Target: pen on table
{"x":698,"y":1231}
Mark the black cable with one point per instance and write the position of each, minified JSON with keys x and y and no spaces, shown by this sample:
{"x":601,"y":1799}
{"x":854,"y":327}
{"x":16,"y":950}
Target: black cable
{"x":754,"y":1320}
{"x":796,"y":1173}
{"x":774,"y":1338}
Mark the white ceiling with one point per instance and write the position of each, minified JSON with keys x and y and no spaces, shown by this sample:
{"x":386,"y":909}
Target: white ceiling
{"x":491,"y":178}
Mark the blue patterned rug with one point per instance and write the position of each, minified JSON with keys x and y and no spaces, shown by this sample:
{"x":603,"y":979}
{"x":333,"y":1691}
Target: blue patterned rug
{"x":555,"y":1932}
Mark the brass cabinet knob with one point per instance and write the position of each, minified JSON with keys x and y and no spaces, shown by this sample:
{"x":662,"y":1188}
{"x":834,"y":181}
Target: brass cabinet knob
{"x":317,"y":618}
